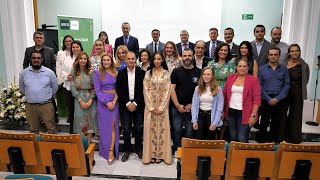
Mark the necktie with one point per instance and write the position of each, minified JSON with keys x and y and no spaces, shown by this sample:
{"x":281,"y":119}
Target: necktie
{"x":126,"y":41}
{"x":213,"y":47}
{"x":155,"y":48}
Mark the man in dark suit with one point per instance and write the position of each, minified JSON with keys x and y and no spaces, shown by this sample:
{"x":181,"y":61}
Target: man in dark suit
{"x":129,"y":88}
{"x":199,"y":60}
{"x":260,"y":46}
{"x":47,"y":53}
{"x":213,"y":43}
{"x":184,"y":36}
{"x":228,"y":37}
{"x":155,"y":45}
{"x":126,"y":39}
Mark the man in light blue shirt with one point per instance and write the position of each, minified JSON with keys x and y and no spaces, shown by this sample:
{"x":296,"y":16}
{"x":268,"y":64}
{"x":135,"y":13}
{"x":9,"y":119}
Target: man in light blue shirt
{"x":39,"y":84}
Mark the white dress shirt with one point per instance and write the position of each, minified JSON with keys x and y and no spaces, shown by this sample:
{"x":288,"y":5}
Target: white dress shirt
{"x":131,"y":82}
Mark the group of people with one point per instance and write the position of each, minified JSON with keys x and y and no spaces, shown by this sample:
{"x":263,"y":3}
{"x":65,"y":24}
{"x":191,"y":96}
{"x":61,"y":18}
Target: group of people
{"x":205,"y":90}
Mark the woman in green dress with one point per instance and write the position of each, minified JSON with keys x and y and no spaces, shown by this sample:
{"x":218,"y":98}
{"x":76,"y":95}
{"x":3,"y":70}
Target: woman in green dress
{"x":223,"y":65}
{"x":85,"y":121}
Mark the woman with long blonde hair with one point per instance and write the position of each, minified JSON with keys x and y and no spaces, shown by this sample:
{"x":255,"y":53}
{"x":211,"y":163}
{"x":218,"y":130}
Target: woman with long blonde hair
{"x":107,"y":106}
{"x":207,"y":106}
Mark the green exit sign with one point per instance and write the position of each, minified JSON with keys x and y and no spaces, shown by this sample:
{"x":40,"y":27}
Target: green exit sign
{"x":247,"y":16}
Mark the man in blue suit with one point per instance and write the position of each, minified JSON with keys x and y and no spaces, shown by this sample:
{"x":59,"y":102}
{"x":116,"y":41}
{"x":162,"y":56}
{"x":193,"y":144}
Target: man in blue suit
{"x":213,"y":43}
{"x":155,"y":45}
{"x":126,"y":39}
{"x":184,"y":36}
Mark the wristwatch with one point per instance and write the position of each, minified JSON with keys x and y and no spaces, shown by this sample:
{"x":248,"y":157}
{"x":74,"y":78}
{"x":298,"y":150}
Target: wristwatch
{"x":253,"y":115}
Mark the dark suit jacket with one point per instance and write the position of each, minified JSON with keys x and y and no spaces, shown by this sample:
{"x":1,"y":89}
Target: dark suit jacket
{"x":47,"y":54}
{"x":122,"y":88}
{"x":205,"y":61}
{"x":133,"y":44}
{"x":234,"y":50}
{"x":207,"y":52}
{"x":262,"y":58}
{"x":150,"y":47}
{"x":179,"y":47}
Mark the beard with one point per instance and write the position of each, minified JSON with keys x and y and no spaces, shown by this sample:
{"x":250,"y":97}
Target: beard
{"x":187,"y":62}
{"x":36,"y":66}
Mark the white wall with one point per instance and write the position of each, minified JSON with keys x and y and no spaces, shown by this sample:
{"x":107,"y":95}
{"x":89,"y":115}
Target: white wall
{"x":49,"y":9}
{"x":264,"y":12}
{"x":169,"y":16}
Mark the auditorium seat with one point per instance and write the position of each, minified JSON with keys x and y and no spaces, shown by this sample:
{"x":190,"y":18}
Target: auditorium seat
{"x":250,"y":159}
{"x":195,"y":152}
{"x":77,"y":160}
{"x":297,"y":161}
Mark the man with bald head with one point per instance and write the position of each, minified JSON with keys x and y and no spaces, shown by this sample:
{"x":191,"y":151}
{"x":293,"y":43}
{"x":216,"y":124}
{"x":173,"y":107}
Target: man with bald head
{"x":199,"y":59}
{"x":129,"y":87}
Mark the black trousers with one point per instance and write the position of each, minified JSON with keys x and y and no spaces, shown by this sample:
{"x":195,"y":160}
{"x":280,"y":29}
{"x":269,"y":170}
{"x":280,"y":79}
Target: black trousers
{"x":70,"y":106}
{"x":204,"y":122}
{"x":275,"y":116}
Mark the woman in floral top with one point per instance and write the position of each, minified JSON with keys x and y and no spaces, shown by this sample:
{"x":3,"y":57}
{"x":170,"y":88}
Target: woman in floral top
{"x":171,"y":56}
{"x":85,"y":121}
{"x":222,"y":65}
{"x":96,"y":58}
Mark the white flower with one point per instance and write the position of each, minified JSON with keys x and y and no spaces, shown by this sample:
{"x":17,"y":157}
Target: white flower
{"x":18,"y":94}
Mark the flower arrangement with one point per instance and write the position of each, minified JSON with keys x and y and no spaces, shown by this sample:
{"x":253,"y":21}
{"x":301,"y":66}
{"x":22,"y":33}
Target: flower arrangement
{"x":12,"y":106}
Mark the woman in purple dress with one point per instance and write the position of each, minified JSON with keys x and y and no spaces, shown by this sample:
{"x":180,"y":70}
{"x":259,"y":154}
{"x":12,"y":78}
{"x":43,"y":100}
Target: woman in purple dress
{"x":107,"y":106}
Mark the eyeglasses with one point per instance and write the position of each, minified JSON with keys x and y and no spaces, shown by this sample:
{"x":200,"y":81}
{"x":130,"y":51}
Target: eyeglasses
{"x":36,"y":58}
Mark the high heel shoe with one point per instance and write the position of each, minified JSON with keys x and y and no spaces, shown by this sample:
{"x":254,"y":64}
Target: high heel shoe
{"x":111,"y":161}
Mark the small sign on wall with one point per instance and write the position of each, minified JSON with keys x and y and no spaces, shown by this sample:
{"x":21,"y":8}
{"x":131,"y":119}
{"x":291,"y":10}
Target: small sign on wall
{"x":247,"y":16}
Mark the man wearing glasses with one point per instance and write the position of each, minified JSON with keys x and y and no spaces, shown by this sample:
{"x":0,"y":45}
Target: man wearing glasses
{"x":47,"y":53}
{"x":39,"y":84}
{"x":260,"y":46}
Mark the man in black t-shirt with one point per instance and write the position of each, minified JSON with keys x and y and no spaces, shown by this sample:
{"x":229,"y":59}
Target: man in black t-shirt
{"x":183,"y":81}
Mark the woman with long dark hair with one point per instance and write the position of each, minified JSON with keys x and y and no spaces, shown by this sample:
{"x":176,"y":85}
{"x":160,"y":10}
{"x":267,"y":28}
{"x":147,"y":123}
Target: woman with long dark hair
{"x":245,"y":52}
{"x":156,"y":133}
{"x":299,"y":77}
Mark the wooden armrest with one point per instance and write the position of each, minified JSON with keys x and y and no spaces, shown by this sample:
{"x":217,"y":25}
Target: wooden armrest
{"x":179,"y":153}
{"x":90,"y":148}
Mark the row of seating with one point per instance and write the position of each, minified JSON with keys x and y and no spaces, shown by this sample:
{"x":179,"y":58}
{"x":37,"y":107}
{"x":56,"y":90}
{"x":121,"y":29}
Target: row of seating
{"x":216,"y":159}
{"x":61,"y":155}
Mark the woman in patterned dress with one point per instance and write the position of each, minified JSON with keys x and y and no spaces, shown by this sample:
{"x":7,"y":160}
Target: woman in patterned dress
{"x":156,"y":133}
{"x":222,"y":65}
{"x":82,"y":89}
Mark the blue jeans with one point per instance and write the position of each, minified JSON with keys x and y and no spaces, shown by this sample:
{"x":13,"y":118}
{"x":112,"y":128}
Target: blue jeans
{"x":237,"y":130}
{"x":137,"y":118}
{"x":178,"y":120}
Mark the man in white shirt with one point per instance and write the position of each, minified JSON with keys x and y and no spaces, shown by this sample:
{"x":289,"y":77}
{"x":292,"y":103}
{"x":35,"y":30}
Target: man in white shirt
{"x":129,"y":88}
{"x":156,"y":45}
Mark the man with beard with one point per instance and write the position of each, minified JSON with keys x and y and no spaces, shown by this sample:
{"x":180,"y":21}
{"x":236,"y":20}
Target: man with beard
{"x":276,"y":37}
{"x":183,"y":81}
{"x":275,"y":84}
{"x":39,"y":84}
